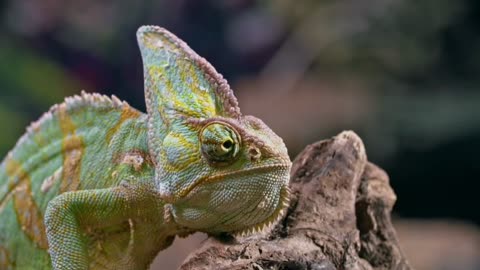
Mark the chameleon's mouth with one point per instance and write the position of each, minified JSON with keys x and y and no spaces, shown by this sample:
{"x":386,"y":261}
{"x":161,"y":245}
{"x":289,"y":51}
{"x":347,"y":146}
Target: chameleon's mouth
{"x":227,"y":175}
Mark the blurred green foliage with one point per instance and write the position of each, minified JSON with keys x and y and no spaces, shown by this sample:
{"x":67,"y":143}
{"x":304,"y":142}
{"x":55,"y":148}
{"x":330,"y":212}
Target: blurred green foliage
{"x":33,"y":76}
{"x":30,"y":83}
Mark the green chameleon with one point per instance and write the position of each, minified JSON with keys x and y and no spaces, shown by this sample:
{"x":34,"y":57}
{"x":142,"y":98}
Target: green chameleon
{"x":97,"y":184}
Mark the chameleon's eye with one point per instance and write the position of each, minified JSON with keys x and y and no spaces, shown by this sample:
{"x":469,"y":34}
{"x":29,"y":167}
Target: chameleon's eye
{"x":219,"y":143}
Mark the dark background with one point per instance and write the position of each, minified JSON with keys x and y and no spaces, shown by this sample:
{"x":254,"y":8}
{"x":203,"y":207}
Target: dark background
{"x":403,"y":74}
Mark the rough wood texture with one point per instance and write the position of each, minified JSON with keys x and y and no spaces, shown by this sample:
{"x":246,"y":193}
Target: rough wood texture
{"x":339,"y":218}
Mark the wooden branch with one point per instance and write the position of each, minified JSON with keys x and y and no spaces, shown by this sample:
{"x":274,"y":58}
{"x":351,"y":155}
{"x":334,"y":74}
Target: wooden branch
{"x":339,"y":218}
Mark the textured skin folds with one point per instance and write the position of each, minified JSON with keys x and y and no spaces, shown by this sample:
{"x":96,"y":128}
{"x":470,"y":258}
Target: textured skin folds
{"x":96,"y":184}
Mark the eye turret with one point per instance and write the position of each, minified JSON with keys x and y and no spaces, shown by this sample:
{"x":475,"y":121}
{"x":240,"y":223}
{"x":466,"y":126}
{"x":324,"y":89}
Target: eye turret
{"x":220,"y":143}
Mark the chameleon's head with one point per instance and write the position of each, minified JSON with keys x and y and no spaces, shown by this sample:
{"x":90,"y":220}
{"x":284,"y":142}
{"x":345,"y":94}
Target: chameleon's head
{"x":238,"y":174}
{"x":219,"y":170}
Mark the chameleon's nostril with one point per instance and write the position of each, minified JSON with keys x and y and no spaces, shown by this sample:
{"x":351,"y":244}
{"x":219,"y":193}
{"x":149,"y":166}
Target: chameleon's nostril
{"x":254,"y":153}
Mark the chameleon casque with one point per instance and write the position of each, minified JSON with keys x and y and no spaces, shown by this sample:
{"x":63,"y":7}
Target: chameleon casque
{"x":97,"y":184}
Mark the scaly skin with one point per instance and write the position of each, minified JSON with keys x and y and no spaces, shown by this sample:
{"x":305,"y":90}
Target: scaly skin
{"x":96,"y":184}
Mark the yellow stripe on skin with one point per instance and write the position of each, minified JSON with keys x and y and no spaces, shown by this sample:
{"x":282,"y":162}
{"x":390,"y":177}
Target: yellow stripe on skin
{"x":127,"y":113}
{"x":28,"y":214}
{"x":179,"y":143}
{"x":72,"y":149}
{"x":171,"y":94}
{"x":203,"y":99}
{"x":4,"y":258}
{"x":188,"y":102}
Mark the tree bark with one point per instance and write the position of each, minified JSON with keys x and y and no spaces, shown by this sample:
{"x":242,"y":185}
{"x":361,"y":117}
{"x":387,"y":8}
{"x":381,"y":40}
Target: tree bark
{"x":338,"y":218}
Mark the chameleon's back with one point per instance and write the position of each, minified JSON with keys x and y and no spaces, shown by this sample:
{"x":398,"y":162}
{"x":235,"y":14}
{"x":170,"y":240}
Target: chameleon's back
{"x":85,"y":136}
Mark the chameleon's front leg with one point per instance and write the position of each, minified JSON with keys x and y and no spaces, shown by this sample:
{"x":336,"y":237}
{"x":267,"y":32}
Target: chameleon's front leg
{"x":69,"y":213}
{"x":70,"y":216}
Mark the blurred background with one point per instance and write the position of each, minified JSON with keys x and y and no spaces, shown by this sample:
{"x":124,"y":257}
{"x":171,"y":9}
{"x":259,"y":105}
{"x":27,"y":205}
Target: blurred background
{"x":403,"y":74}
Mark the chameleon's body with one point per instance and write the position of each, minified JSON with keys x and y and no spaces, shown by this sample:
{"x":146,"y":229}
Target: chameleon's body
{"x":97,"y":184}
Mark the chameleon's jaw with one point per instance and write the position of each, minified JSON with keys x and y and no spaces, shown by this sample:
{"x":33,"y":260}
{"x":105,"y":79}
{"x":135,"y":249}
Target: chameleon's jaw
{"x":272,"y":219}
{"x":240,"y":202}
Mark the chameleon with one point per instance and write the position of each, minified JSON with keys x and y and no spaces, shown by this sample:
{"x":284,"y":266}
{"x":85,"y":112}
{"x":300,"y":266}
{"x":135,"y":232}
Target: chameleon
{"x":97,"y":184}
